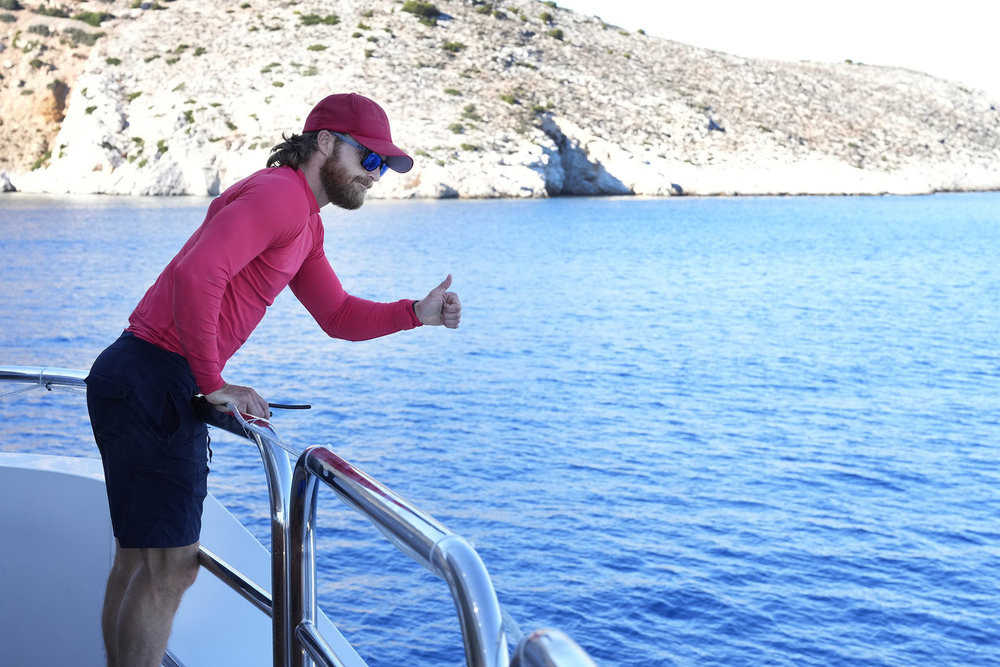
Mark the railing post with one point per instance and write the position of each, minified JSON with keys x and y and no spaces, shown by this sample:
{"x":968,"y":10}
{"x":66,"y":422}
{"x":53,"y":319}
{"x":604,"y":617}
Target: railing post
{"x":279,"y":474}
{"x":302,"y":553}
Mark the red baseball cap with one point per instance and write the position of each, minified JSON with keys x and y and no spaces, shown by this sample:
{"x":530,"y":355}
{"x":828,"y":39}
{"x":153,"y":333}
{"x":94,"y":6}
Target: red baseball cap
{"x":364,"y":120}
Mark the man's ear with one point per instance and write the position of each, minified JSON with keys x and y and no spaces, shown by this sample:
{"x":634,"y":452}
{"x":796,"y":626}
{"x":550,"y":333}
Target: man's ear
{"x":326,"y":142}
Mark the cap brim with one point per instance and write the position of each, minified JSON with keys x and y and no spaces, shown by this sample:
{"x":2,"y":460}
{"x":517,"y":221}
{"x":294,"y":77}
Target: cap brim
{"x":396,"y":159}
{"x":399,"y":163}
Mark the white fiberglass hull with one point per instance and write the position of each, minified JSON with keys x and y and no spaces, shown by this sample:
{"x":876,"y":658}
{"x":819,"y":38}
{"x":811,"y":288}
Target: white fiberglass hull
{"x":55,"y":553}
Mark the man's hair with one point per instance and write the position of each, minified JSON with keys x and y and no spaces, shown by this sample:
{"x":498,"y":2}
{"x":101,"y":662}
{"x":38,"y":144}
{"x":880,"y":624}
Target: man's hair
{"x":294,"y":150}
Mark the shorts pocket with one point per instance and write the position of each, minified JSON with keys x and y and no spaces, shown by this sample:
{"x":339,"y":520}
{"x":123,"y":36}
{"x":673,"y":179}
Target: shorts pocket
{"x":170,"y":417}
{"x":146,"y":409}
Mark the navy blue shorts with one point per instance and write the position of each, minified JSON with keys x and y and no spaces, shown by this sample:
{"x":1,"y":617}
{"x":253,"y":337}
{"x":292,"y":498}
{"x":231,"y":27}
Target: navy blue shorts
{"x":154,"y":448}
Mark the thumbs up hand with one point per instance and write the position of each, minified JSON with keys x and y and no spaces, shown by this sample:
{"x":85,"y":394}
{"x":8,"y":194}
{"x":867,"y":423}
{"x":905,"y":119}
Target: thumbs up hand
{"x":440,"y":307}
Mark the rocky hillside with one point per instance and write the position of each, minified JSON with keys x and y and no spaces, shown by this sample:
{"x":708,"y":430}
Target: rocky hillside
{"x":517,"y":98}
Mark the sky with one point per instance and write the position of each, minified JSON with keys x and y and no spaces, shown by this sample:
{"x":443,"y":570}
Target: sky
{"x":955,"y":40}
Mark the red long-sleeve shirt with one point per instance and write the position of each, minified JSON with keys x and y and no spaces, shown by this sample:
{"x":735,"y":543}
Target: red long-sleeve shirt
{"x":260,"y":235}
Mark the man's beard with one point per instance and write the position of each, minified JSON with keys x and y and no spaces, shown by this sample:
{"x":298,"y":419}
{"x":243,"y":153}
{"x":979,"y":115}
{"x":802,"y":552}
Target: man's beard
{"x":341,"y":188}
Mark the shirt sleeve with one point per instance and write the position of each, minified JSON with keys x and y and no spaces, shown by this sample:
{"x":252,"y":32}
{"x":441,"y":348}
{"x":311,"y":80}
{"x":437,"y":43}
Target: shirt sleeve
{"x":239,"y":230}
{"x":342,"y":315}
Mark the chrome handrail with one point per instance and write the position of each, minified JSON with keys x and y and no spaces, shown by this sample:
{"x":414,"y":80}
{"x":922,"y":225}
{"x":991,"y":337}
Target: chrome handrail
{"x":292,"y":496}
{"x":43,"y":376}
{"x":235,"y":579}
{"x":415,"y":533}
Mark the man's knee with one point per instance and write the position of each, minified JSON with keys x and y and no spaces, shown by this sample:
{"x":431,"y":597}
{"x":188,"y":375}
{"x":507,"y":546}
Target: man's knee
{"x":174,"y":568}
{"x":127,"y":562}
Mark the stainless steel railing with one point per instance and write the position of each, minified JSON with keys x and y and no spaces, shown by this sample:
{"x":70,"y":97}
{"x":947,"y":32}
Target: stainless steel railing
{"x":43,"y":376}
{"x":297,"y":642}
{"x":416,"y":534}
{"x":292,"y":606}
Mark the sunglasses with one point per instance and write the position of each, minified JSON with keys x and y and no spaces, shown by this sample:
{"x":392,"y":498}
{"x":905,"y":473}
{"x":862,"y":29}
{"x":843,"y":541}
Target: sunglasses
{"x":369,"y":159}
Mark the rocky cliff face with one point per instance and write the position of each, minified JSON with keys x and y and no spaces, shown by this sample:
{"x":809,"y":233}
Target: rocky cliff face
{"x":493,"y":99}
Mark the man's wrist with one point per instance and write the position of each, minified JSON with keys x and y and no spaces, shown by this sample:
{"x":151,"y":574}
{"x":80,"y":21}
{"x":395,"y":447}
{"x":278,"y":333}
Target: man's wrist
{"x":416,"y":318}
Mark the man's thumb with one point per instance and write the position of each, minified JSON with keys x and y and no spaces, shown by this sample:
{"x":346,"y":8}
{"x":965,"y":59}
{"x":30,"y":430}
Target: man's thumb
{"x":445,"y":284}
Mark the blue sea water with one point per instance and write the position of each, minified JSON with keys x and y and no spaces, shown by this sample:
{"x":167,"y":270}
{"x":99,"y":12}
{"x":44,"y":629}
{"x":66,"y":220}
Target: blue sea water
{"x":748,"y":431}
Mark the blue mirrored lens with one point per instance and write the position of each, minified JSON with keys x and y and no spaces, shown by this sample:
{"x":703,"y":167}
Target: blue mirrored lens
{"x":372,"y":161}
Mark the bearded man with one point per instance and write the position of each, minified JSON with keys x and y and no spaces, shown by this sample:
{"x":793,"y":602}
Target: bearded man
{"x":262,"y":234}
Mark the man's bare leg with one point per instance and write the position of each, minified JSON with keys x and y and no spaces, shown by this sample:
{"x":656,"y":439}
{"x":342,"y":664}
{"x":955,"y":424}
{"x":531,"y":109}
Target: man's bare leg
{"x":144,"y":590}
{"x":127,"y":562}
